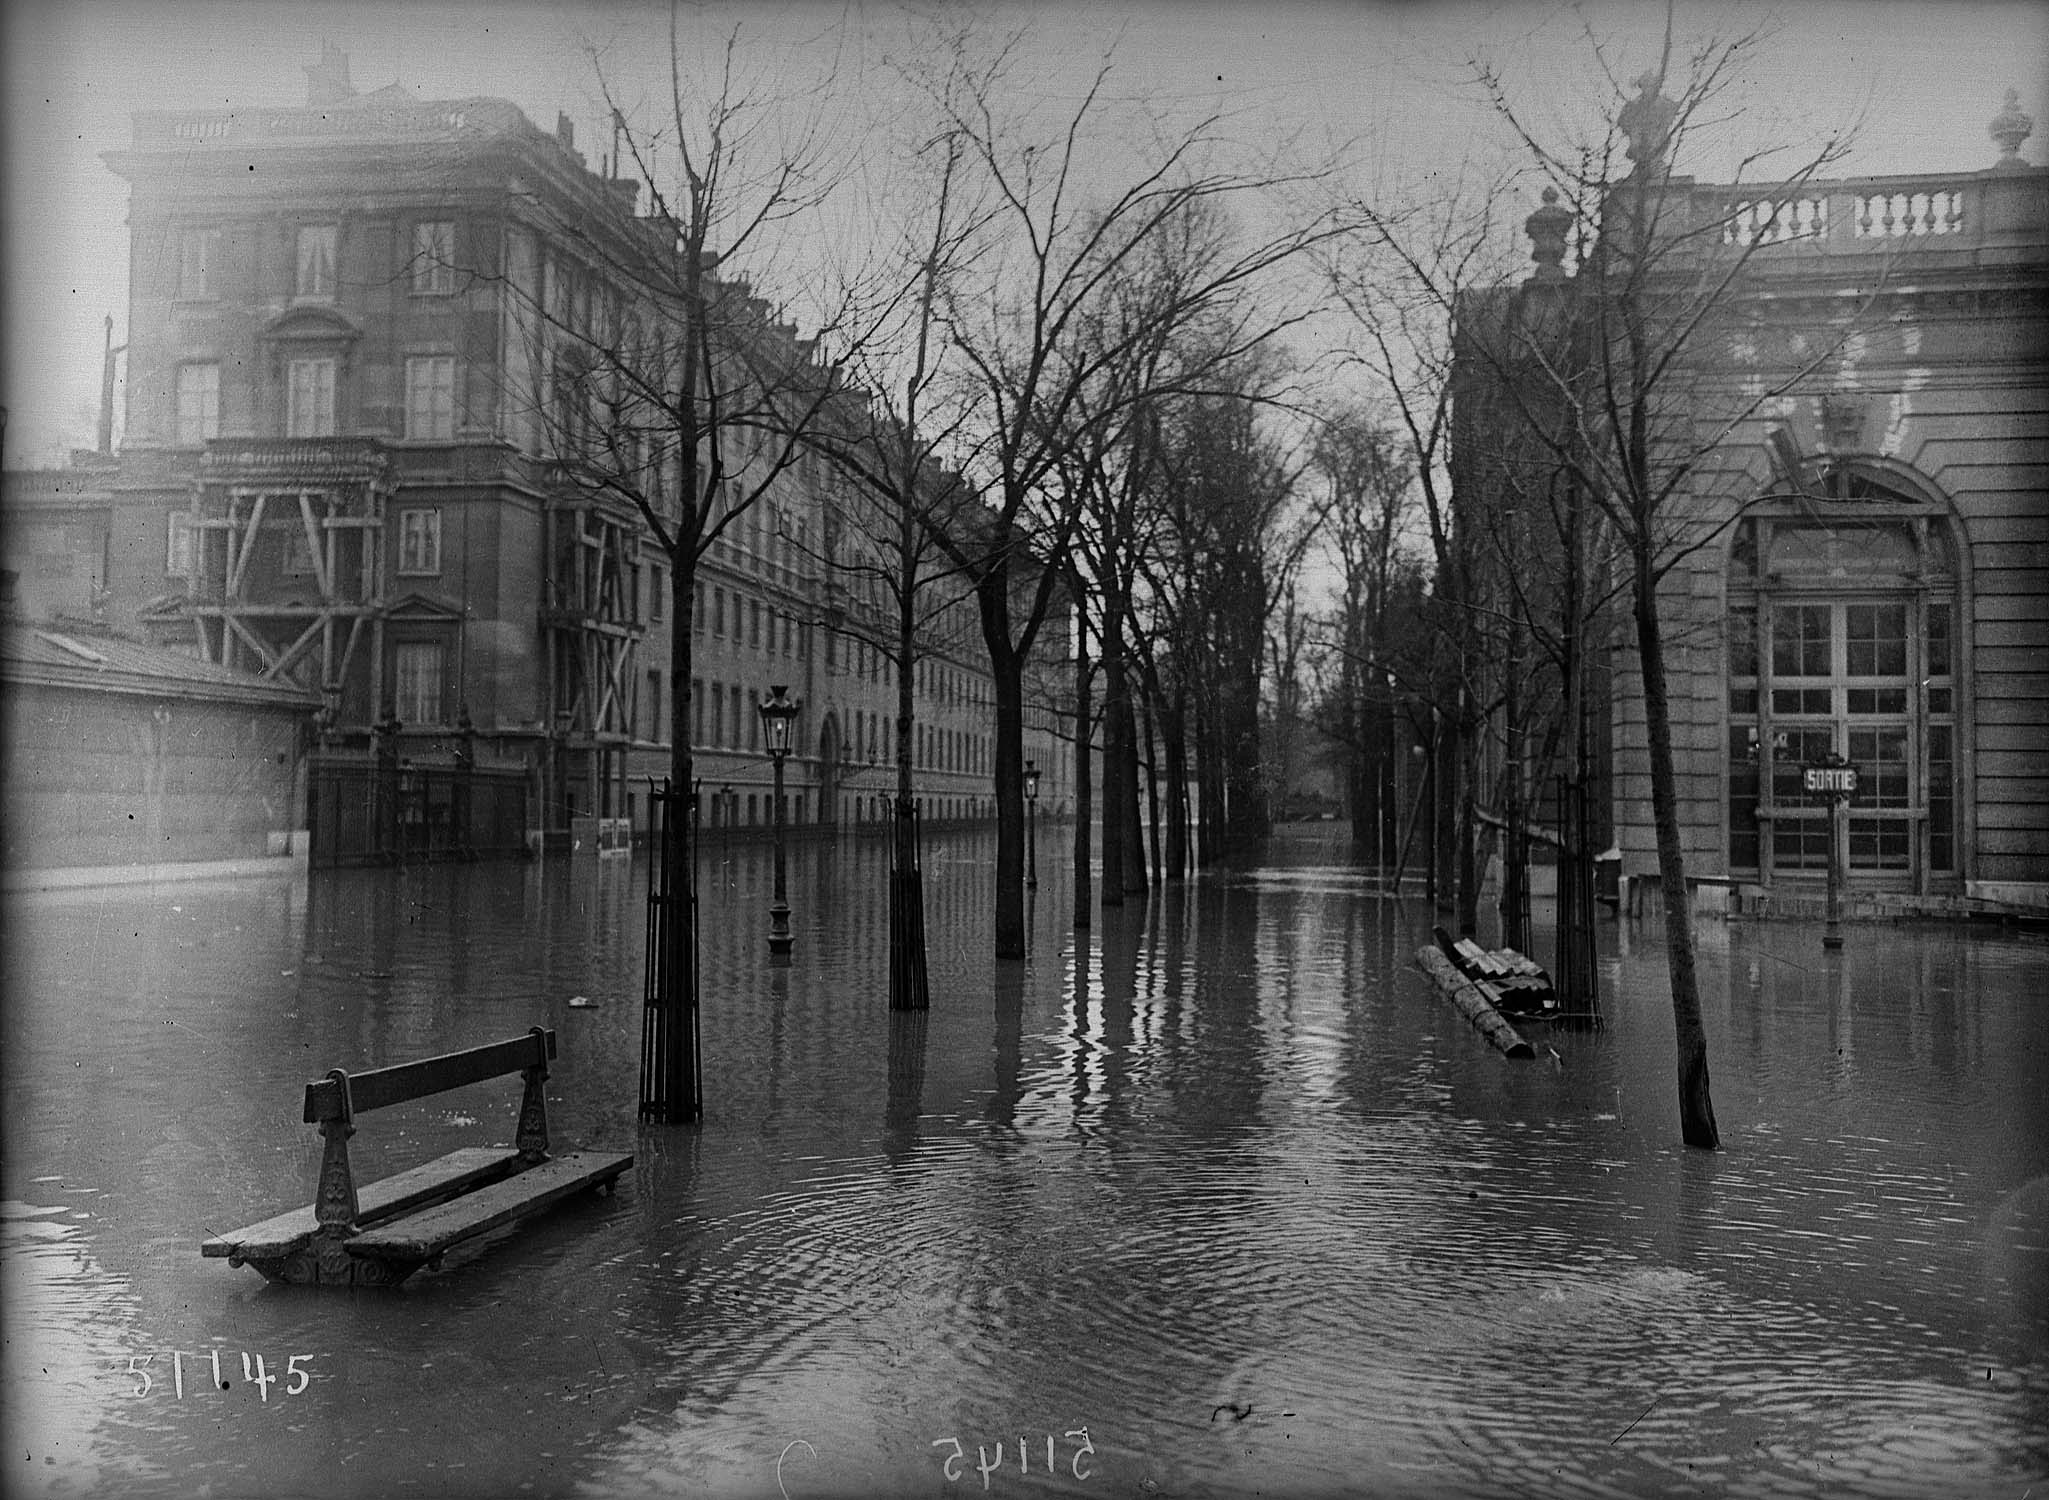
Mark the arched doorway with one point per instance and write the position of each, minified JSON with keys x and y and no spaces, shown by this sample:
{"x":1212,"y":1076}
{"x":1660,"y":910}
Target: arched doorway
{"x":1844,"y":606}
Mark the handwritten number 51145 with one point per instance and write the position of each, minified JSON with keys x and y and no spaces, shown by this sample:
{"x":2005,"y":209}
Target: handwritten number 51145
{"x":955,"y":1467}
{"x":296,"y":1379}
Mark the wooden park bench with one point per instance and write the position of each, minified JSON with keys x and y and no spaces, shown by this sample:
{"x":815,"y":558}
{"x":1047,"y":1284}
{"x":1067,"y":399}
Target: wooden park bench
{"x":383,"y":1232}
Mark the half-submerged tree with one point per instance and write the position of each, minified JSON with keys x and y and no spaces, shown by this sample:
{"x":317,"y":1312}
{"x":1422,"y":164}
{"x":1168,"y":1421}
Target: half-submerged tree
{"x":1027,"y":342}
{"x":674,"y":399}
{"x":1621,"y":392}
{"x":887,"y":442}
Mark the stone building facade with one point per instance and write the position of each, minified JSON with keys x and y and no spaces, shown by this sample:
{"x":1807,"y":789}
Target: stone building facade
{"x":335,"y":473}
{"x":1861,"y":562}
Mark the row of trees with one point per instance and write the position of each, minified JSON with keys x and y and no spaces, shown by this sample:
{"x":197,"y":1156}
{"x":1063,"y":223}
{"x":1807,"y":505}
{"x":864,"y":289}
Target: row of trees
{"x":1583,"y":421}
{"x":1052,"y":378}
{"x":1037,"y":384}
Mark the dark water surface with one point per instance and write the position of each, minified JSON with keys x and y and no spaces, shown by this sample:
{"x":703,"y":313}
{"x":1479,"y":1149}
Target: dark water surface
{"x":1223,"y":1202}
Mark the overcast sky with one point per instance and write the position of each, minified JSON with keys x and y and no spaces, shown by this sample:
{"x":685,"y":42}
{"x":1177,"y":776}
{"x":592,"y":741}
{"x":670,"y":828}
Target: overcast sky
{"x":1393,"y":80}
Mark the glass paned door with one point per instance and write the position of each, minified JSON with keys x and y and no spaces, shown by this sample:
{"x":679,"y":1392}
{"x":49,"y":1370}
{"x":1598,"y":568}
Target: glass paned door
{"x":1842,"y":681}
{"x":1881,"y":830}
{"x":1800,"y":822}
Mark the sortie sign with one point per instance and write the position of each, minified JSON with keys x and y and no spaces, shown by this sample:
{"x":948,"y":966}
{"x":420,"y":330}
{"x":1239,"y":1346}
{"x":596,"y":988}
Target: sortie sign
{"x":1832,"y":781}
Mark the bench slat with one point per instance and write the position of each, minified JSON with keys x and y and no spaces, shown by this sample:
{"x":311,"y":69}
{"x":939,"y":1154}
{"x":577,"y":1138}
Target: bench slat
{"x":431,"y":1075}
{"x":377,"y":1200}
{"x":426,"y":1234}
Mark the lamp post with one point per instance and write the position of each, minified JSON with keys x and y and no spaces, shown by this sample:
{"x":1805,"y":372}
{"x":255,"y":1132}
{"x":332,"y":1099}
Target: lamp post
{"x":1835,"y":779}
{"x":1031,"y":790}
{"x":1430,"y":797}
{"x":778,"y":719}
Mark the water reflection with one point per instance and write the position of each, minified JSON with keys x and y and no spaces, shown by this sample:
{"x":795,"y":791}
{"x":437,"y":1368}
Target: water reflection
{"x":1217,"y":1180}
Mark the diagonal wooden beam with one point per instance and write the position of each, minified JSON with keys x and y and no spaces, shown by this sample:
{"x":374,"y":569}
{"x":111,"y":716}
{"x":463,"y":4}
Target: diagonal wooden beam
{"x":263,"y":652}
{"x":297,"y":648}
{"x":240,"y":567}
{"x":317,"y":542}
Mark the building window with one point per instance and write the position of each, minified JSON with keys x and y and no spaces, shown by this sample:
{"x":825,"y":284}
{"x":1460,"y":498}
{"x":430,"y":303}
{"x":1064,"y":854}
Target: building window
{"x":316,"y":258}
{"x":309,"y":398}
{"x":178,"y":544}
{"x":199,"y":254}
{"x":199,"y":404}
{"x":718,"y":715}
{"x":417,"y":666}
{"x":654,"y":706}
{"x":419,"y":541}
{"x":430,"y":397}
{"x":658,"y":585}
{"x":754,"y":623}
{"x":434,"y":258}
{"x":718,"y":612}
{"x":697,"y":710}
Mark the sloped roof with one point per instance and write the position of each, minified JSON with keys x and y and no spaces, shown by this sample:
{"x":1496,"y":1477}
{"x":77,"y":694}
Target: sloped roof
{"x":50,"y":657}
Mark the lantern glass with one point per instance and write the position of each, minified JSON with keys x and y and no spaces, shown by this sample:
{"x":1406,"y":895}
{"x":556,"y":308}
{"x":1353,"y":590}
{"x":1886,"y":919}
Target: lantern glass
{"x":778,"y":715}
{"x":1031,"y":780}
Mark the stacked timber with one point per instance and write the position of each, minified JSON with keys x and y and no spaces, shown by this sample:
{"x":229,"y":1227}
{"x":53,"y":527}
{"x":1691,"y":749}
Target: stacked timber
{"x":1516,"y":985}
{"x":1471,"y":1001}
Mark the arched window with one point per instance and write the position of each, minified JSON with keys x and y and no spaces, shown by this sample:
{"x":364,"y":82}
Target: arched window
{"x":1843,"y":601}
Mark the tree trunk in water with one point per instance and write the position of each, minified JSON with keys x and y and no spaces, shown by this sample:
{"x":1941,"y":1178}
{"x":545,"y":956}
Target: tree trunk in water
{"x":1209,"y":792}
{"x":1152,"y":795}
{"x":1467,"y":773}
{"x":1135,"y":877}
{"x":1116,"y":763}
{"x":1174,"y":736}
{"x":1008,"y":675}
{"x":1696,"y":1103}
{"x":675,"y":1060}
{"x":1084,"y":787}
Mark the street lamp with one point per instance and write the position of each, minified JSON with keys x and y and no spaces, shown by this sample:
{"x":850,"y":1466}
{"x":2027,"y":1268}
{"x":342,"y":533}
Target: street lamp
{"x":1032,"y":822}
{"x":778,"y":719}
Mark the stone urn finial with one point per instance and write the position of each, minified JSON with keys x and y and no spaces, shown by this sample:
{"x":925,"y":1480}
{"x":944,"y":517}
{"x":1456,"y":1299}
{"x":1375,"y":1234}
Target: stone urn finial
{"x":2009,"y":128}
{"x":1547,"y":228}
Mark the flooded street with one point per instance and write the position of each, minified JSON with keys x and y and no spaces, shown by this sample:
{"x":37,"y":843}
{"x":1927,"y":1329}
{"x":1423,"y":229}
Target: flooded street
{"x":1223,"y":1202}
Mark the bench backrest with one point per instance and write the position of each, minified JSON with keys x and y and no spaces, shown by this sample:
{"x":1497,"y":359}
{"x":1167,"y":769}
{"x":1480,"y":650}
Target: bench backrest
{"x":338,"y":1097}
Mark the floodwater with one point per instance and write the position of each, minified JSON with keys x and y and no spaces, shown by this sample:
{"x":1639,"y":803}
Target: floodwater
{"x":1223,"y":1201}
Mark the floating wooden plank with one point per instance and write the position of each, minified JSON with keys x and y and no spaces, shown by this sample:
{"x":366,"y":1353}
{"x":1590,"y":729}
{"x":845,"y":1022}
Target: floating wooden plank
{"x":1468,"y":998}
{"x":427,"y":1234}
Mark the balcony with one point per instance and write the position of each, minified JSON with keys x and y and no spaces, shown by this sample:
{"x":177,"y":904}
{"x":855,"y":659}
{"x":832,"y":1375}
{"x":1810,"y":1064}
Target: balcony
{"x":1986,"y":218}
{"x":322,"y":460}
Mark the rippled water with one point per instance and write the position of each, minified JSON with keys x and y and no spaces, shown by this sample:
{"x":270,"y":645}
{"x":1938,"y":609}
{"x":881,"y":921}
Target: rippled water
{"x":1222,"y":1201}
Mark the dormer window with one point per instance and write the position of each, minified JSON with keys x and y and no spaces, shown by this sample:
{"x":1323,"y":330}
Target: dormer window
{"x":315,"y":277}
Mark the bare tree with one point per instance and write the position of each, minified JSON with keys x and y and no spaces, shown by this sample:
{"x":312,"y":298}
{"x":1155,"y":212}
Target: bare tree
{"x":1370,"y":485}
{"x":888,"y":443}
{"x":672,"y":399}
{"x":1056,"y":241}
{"x":1399,"y":277}
{"x":1618,"y":391}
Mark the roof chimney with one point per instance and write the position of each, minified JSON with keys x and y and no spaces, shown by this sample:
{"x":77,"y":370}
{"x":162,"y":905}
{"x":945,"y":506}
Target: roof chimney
{"x":327,"y":81}
{"x":565,"y":130}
